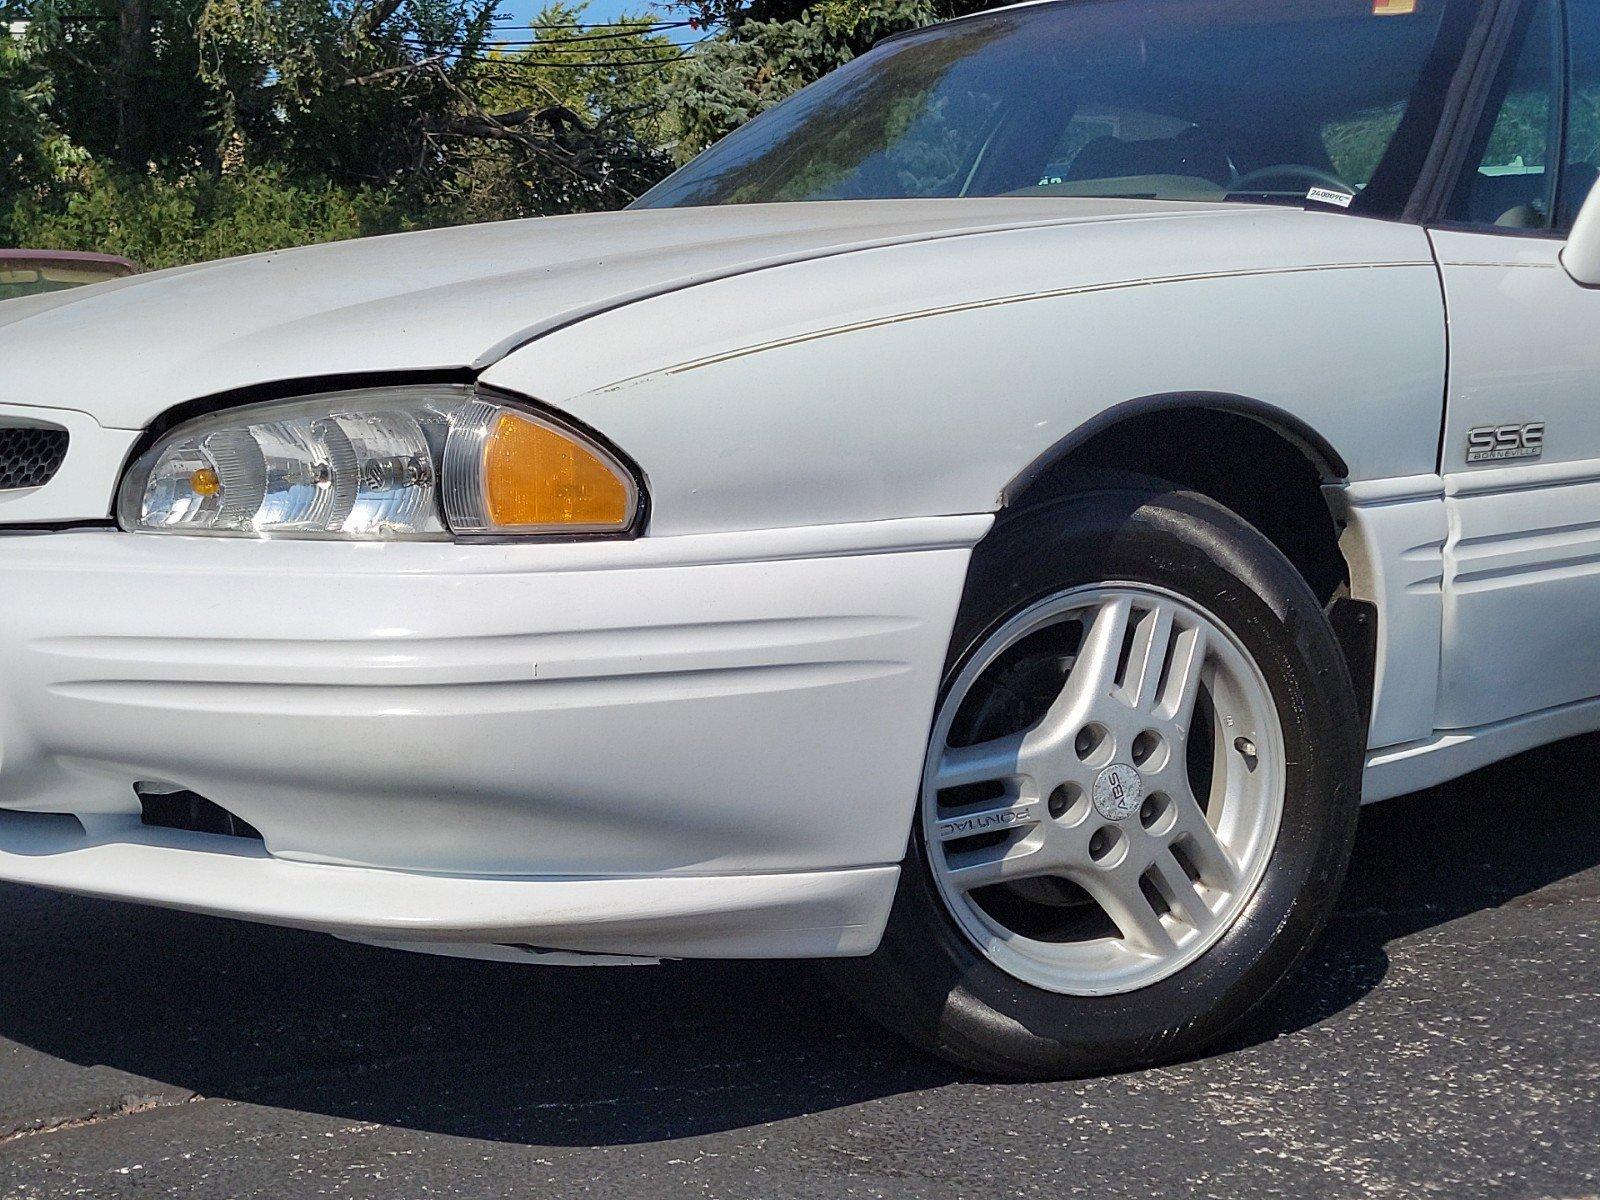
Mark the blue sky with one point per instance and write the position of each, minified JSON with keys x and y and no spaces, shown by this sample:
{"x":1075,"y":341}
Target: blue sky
{"x":515,"y":14}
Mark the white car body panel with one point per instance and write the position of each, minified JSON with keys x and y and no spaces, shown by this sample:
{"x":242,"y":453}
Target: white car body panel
{"x":446,"y":298}
{"x":1520,"y":564}
{"x":706,"y":741}
{"x":565,"y":723}
{"x":668,"y":707}
{"x":82,"y":490}
{"x":994,"y":316}
{"x":1524,"y":535}
{"x":809,"y":914}
{"x":1007,"y":344}
{"x":1394,"y":541}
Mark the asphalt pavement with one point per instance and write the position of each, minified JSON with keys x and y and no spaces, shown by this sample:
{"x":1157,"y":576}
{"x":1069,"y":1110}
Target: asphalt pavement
{"x":1443,"y":1041}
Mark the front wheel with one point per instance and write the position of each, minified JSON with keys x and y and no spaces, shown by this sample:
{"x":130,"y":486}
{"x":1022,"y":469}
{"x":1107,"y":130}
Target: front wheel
{"x":1139,"y":797}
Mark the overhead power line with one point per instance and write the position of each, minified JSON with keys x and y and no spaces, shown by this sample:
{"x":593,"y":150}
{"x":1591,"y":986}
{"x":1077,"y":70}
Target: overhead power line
{"x":432,"y":47}
{"x":690,"y":23}
{"x":558,"y":37}
{"x":622,"y":40}
{"x":515,"y":64}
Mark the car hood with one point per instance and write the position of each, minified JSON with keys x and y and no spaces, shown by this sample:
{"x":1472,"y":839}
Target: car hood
{"x":449,"y":299}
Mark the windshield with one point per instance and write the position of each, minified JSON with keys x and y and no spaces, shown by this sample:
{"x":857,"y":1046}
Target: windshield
{"x":30,"y":277}
{"x":1332,"y":100}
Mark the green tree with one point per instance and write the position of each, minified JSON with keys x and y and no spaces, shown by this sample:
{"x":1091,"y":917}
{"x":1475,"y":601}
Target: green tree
{"x":347,"y":90}
{"x":767,"y":50}
{"x":274,"y":122}
{"x":172,"y":130}
{"x":26,"y":134}
{"x":123,"y":77}
{"x":570,"y":119}
{"x":166,"y":219}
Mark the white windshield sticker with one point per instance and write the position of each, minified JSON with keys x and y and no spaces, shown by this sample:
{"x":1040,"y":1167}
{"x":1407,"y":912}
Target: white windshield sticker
{"x":1329,"y":196}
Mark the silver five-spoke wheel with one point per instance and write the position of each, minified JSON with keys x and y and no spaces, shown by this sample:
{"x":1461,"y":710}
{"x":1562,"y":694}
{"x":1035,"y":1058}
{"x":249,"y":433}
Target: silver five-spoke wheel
{"x":1104,"y":790}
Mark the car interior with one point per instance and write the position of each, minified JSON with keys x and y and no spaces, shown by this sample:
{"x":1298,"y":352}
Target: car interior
{"x":1168,"y":115}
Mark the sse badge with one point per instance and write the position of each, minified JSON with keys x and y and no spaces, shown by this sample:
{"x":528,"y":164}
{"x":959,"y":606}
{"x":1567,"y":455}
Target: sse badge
{"x":1489,"y":443}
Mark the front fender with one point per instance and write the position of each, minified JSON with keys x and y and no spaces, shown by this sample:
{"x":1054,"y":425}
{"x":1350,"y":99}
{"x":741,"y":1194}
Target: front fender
{"x":922,"y":380}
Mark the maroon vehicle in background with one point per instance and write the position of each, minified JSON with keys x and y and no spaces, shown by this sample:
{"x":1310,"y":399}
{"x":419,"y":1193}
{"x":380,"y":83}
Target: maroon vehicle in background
{"x":30,"y":272}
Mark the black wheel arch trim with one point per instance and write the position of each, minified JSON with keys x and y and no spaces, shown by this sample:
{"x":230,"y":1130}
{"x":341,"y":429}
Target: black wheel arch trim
{"x":1330,"y":464}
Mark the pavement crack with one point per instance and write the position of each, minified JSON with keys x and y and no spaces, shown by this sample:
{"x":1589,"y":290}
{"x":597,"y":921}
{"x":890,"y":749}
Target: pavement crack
{"x":127,"y":1106}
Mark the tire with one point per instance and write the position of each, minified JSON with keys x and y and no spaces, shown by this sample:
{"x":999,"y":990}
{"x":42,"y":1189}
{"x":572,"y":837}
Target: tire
{"x":931,"y":982}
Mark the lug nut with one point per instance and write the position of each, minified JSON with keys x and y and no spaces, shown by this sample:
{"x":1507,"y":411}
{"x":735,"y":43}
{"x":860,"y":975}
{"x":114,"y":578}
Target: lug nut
{"x":1061,"y":799}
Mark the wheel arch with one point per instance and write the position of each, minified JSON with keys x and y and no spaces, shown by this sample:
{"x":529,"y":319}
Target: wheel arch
{"x":1311,"y":444}
{"x":1268,"y":465}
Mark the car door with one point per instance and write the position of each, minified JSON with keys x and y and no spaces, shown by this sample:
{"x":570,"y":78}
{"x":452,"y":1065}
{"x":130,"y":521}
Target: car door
{"x":1521,"y":442}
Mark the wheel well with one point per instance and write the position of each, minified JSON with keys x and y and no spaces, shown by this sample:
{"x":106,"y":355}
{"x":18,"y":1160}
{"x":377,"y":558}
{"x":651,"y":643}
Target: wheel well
{"x":1262,"y":472}
{"x":1270,"y":475}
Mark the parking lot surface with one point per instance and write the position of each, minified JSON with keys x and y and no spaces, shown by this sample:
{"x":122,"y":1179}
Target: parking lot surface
{"x":1443,"y":1041}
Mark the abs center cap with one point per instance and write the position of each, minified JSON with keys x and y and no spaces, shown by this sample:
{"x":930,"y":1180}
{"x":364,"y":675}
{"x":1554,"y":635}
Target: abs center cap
{"x":1117,"y":792}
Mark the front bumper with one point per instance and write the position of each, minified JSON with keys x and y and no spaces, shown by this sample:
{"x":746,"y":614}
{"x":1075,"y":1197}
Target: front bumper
{"x":695,"y":746}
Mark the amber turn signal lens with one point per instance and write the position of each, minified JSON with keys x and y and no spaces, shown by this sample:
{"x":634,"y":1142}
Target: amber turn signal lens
{"x":511,"y":472}
{"x":537,"y":476}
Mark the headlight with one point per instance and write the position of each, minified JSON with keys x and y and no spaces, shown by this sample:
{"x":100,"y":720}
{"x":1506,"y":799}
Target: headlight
{"x":406,"y":462}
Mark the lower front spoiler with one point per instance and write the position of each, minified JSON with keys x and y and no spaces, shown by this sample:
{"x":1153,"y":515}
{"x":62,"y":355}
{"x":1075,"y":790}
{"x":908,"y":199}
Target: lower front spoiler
{"x":809,"y":914}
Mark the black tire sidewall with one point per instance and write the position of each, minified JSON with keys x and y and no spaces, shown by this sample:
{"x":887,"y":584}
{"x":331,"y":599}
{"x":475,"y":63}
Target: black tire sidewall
{"x":944,"y":993}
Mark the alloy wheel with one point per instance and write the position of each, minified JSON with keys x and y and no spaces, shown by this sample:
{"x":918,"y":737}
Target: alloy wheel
{"x":1104,"y":789}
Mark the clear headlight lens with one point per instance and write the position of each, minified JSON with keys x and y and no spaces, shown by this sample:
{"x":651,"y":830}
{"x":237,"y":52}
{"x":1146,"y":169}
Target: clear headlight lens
{"x":407,"y":462}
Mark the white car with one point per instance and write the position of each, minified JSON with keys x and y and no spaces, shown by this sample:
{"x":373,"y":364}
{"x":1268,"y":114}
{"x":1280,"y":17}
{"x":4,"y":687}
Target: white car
{"x":1006,"y":577}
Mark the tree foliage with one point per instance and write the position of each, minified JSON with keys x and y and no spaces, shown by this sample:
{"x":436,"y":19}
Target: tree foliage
{"x":173,"y":130}
{"x":577,"y":120}
{"x":161,"y":219}
{"x":349,"y":89}
{"x":27,"y":139}
{"x":122,"y":77}
{"x":759,"y":60}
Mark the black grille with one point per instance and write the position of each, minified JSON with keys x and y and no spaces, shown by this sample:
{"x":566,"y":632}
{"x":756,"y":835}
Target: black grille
{"x":186,"y":810}
{"x":30,"y":456}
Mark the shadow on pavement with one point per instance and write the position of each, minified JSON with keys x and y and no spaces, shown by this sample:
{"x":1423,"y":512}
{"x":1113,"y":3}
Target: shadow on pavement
{"x":1493,"y":838}
{"x":613,"y":1056}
